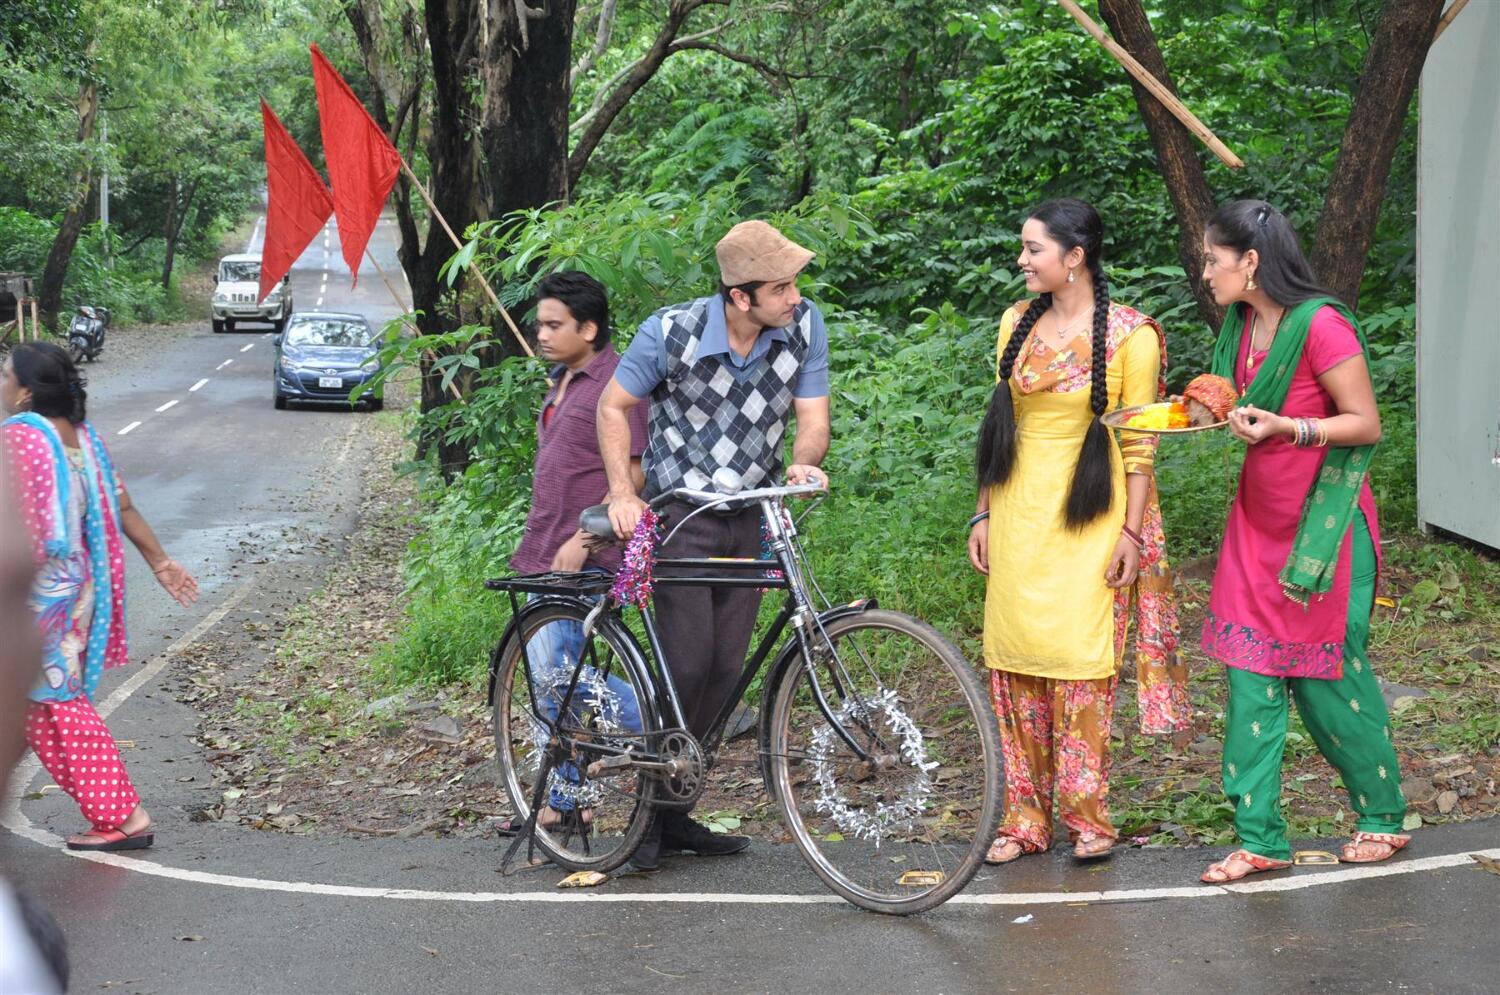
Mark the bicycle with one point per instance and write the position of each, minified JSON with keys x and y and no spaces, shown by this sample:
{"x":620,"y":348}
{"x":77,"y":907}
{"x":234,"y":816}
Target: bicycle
{"x":876,"y":738}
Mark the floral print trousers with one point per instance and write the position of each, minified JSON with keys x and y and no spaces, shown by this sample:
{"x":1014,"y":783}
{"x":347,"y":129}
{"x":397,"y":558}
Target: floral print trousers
{"x":1054,"y":735}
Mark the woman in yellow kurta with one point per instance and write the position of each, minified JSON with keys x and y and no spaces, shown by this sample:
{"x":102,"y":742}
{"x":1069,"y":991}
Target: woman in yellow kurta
{"x":1061,"y":529}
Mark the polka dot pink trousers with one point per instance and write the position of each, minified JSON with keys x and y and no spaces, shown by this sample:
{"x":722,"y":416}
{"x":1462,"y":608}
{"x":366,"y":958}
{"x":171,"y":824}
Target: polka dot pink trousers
{"x":73,"y":744}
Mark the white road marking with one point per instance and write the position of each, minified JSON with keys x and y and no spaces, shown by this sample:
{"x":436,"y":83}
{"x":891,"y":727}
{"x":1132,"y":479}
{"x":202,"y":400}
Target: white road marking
{"x":198,"y":386}
{"x":320,"y":302}
{"x":129,"y":428}
{"x":223,"y":364}
{"x":170,"y":404}
{"x":254,"y":234}
{"x":248,"y":347}
{"x":13,"y":819}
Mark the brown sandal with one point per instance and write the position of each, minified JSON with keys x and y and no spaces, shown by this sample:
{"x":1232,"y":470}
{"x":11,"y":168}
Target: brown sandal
{"x":1256,"y":861}
{"x":1394,"y":841}
{"x":999,"y":851}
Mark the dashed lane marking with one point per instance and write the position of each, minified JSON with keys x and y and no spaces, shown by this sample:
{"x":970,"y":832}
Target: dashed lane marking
{"x":247,"y":347}
{"x":170,"y":404}
{"x":129,"y":428}
{"x":198,"y":386}
{"x":223,"y":364}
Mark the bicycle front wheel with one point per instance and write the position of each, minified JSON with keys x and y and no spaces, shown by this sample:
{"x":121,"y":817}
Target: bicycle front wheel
{"x":902,"y":824}
{"x":584,"y":823}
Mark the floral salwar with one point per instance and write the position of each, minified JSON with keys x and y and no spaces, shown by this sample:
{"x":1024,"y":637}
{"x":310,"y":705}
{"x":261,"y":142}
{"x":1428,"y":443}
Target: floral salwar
{"x":1054,"y":735}
{"x":71,"y":741}
{"x":1346,"y":718}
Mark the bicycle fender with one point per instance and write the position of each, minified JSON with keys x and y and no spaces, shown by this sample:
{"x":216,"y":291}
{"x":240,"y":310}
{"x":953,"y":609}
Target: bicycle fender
{"x":777,"y":674}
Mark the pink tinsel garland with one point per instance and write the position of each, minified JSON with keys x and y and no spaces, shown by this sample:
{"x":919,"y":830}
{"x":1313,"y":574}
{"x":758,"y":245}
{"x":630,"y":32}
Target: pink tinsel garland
{"x":634,"y":580}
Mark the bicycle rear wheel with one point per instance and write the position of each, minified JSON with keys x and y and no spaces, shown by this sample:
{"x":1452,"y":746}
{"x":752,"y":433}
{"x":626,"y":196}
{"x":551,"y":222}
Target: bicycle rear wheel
{"x":594,"y":823}
{"x":904,"y":829}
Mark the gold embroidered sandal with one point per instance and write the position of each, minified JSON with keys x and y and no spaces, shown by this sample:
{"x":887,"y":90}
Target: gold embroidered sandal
{"x":1219,"y":872}
{"x":1352,"y":853}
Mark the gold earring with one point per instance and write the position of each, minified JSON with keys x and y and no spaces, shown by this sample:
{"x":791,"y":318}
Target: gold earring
{"x":1071,"y":276}
{"x":1250,"y":283}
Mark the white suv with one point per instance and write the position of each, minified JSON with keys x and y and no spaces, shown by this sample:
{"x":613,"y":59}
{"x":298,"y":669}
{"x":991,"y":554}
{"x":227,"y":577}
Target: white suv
{"x":238,"y":287}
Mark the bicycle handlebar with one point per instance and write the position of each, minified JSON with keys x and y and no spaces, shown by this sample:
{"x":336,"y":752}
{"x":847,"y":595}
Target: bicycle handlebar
{"x":707,"y":499}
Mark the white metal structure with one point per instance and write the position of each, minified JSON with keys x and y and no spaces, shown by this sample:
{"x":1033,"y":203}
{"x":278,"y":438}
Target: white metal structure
{"x":1458,"y":280}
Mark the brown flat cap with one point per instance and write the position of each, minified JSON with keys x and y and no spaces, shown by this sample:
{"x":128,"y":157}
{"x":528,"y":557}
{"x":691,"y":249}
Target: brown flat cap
{"x":754,"y":252}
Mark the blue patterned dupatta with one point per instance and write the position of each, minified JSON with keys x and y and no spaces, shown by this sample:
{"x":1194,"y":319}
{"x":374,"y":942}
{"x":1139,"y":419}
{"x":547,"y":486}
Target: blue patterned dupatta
{"x":77,"y":556}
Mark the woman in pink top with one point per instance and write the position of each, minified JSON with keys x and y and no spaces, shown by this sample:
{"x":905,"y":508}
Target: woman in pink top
{"x":1289,"y":615}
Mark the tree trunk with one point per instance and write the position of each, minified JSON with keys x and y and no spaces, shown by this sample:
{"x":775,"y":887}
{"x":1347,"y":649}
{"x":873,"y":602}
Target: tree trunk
{"x":1351,"y":207}
{"x":1176,"y":148}
{"x":56,"y":270}
{"x":176,"y":216}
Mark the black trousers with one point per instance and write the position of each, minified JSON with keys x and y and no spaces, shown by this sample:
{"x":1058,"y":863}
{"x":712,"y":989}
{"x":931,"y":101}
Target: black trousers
{"x":705,"y":632}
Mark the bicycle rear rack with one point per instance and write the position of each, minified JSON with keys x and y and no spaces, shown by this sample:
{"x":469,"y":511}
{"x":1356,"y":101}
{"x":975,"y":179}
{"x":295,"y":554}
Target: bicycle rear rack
{"x":583,"y":583}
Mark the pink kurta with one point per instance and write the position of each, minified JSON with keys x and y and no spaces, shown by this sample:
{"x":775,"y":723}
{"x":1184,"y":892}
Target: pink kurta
{"x":1251,"y":624}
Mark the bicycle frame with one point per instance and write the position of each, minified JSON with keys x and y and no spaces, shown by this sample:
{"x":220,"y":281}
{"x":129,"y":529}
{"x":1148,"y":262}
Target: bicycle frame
{"x":797,"y":610}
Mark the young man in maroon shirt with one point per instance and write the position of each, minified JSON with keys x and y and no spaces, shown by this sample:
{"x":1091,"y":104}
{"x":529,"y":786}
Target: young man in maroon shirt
{"x":572,"y":332}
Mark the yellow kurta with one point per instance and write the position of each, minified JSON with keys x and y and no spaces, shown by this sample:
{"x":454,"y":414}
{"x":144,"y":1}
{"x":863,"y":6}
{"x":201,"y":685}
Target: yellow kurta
{"x":1048,"y":612}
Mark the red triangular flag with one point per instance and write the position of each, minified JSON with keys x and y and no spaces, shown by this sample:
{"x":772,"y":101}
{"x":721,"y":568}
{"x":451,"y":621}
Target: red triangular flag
{"x":297,"y":202}
{"x":362,"y":162}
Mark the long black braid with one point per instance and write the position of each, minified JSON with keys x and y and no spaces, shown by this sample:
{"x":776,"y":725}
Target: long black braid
{"x":1072,"y":223}
{"x":995,"y":452}
{"x":1092,"y":490}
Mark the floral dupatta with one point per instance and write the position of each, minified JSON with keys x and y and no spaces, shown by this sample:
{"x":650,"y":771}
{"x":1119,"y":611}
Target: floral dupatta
{"x":42,"y":480}
{"x":1161,"y":675}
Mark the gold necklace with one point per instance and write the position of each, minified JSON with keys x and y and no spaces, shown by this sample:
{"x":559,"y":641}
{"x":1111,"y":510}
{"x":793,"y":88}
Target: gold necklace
{"x":1254,"y":331}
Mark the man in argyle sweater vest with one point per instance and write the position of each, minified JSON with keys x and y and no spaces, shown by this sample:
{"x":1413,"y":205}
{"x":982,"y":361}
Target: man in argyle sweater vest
{"x":724,"y":374}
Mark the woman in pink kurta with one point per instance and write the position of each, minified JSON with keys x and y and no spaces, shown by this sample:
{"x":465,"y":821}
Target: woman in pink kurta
{"x":1276,"y":636}
{"x":1289,"y":615}
{"x":75,"y":513}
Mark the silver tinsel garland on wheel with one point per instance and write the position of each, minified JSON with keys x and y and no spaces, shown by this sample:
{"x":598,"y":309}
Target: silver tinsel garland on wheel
{"x":593,"y":695}
{"x":884,"y":818}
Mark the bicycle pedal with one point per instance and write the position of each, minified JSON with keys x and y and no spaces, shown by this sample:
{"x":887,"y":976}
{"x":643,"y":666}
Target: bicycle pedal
{"x":600,"y":767}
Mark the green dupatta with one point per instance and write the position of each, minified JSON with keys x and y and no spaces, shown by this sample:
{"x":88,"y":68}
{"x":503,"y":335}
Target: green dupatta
{"x":1328,"y":508}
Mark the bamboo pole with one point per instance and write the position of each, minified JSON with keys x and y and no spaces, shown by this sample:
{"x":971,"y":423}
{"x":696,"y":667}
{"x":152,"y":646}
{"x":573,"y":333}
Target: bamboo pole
{"x":401,"y":306}
{"x":1448,"y":16}
{"x":36,"y":323}
{"x":473,"y":268}
{"x":1158,"y":89}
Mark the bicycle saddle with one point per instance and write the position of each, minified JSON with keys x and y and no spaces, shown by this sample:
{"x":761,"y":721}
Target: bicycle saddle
{"x":595,"y":521}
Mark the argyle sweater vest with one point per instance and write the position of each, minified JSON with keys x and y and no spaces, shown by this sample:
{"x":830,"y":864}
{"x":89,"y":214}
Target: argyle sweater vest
{"x":702,"y":418}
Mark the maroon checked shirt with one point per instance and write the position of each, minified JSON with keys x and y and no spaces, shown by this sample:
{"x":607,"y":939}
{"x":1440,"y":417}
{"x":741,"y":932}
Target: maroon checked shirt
{"x":569,"y":473}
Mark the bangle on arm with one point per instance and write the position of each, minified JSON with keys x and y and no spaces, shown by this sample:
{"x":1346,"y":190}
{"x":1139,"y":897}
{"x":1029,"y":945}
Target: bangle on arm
{"x":1133,"y":536}
{"x":978,"y":518}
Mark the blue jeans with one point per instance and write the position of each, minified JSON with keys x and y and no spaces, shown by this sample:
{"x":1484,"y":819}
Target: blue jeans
{"x":553,"y":653}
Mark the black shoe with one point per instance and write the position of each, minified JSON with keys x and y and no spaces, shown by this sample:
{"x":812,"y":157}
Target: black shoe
{"x":681,"y":833}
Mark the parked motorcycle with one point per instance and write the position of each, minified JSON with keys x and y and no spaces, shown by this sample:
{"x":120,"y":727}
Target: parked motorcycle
{"x":86,"y":333}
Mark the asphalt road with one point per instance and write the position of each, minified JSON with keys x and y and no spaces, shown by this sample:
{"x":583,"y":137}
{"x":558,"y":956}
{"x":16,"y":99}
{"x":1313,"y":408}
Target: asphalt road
{"x":254,"y":500}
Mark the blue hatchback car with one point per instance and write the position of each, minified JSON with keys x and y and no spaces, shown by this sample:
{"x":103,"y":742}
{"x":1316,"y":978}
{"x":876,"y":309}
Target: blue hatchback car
{"x":324,"y":356}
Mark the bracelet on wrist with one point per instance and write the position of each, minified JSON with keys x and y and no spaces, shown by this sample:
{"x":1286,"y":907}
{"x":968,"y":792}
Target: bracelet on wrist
{"x":1133,"y":536}
{"x":978,"y":518}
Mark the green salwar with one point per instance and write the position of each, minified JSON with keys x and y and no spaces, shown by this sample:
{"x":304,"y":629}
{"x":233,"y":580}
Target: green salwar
{"x":1346,"y":718}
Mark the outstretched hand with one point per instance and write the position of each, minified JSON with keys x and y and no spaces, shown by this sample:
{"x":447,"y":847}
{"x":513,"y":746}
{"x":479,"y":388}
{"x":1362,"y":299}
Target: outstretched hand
{"x":176,"y":581}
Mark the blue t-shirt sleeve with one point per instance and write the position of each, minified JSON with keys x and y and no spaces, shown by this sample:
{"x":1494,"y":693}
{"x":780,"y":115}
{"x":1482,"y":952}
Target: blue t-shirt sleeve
{"x":812,"y":379}
{"x":644,"y":364}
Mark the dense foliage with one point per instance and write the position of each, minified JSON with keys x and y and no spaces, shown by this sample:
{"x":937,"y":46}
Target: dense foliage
{"x":905,"y":140}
